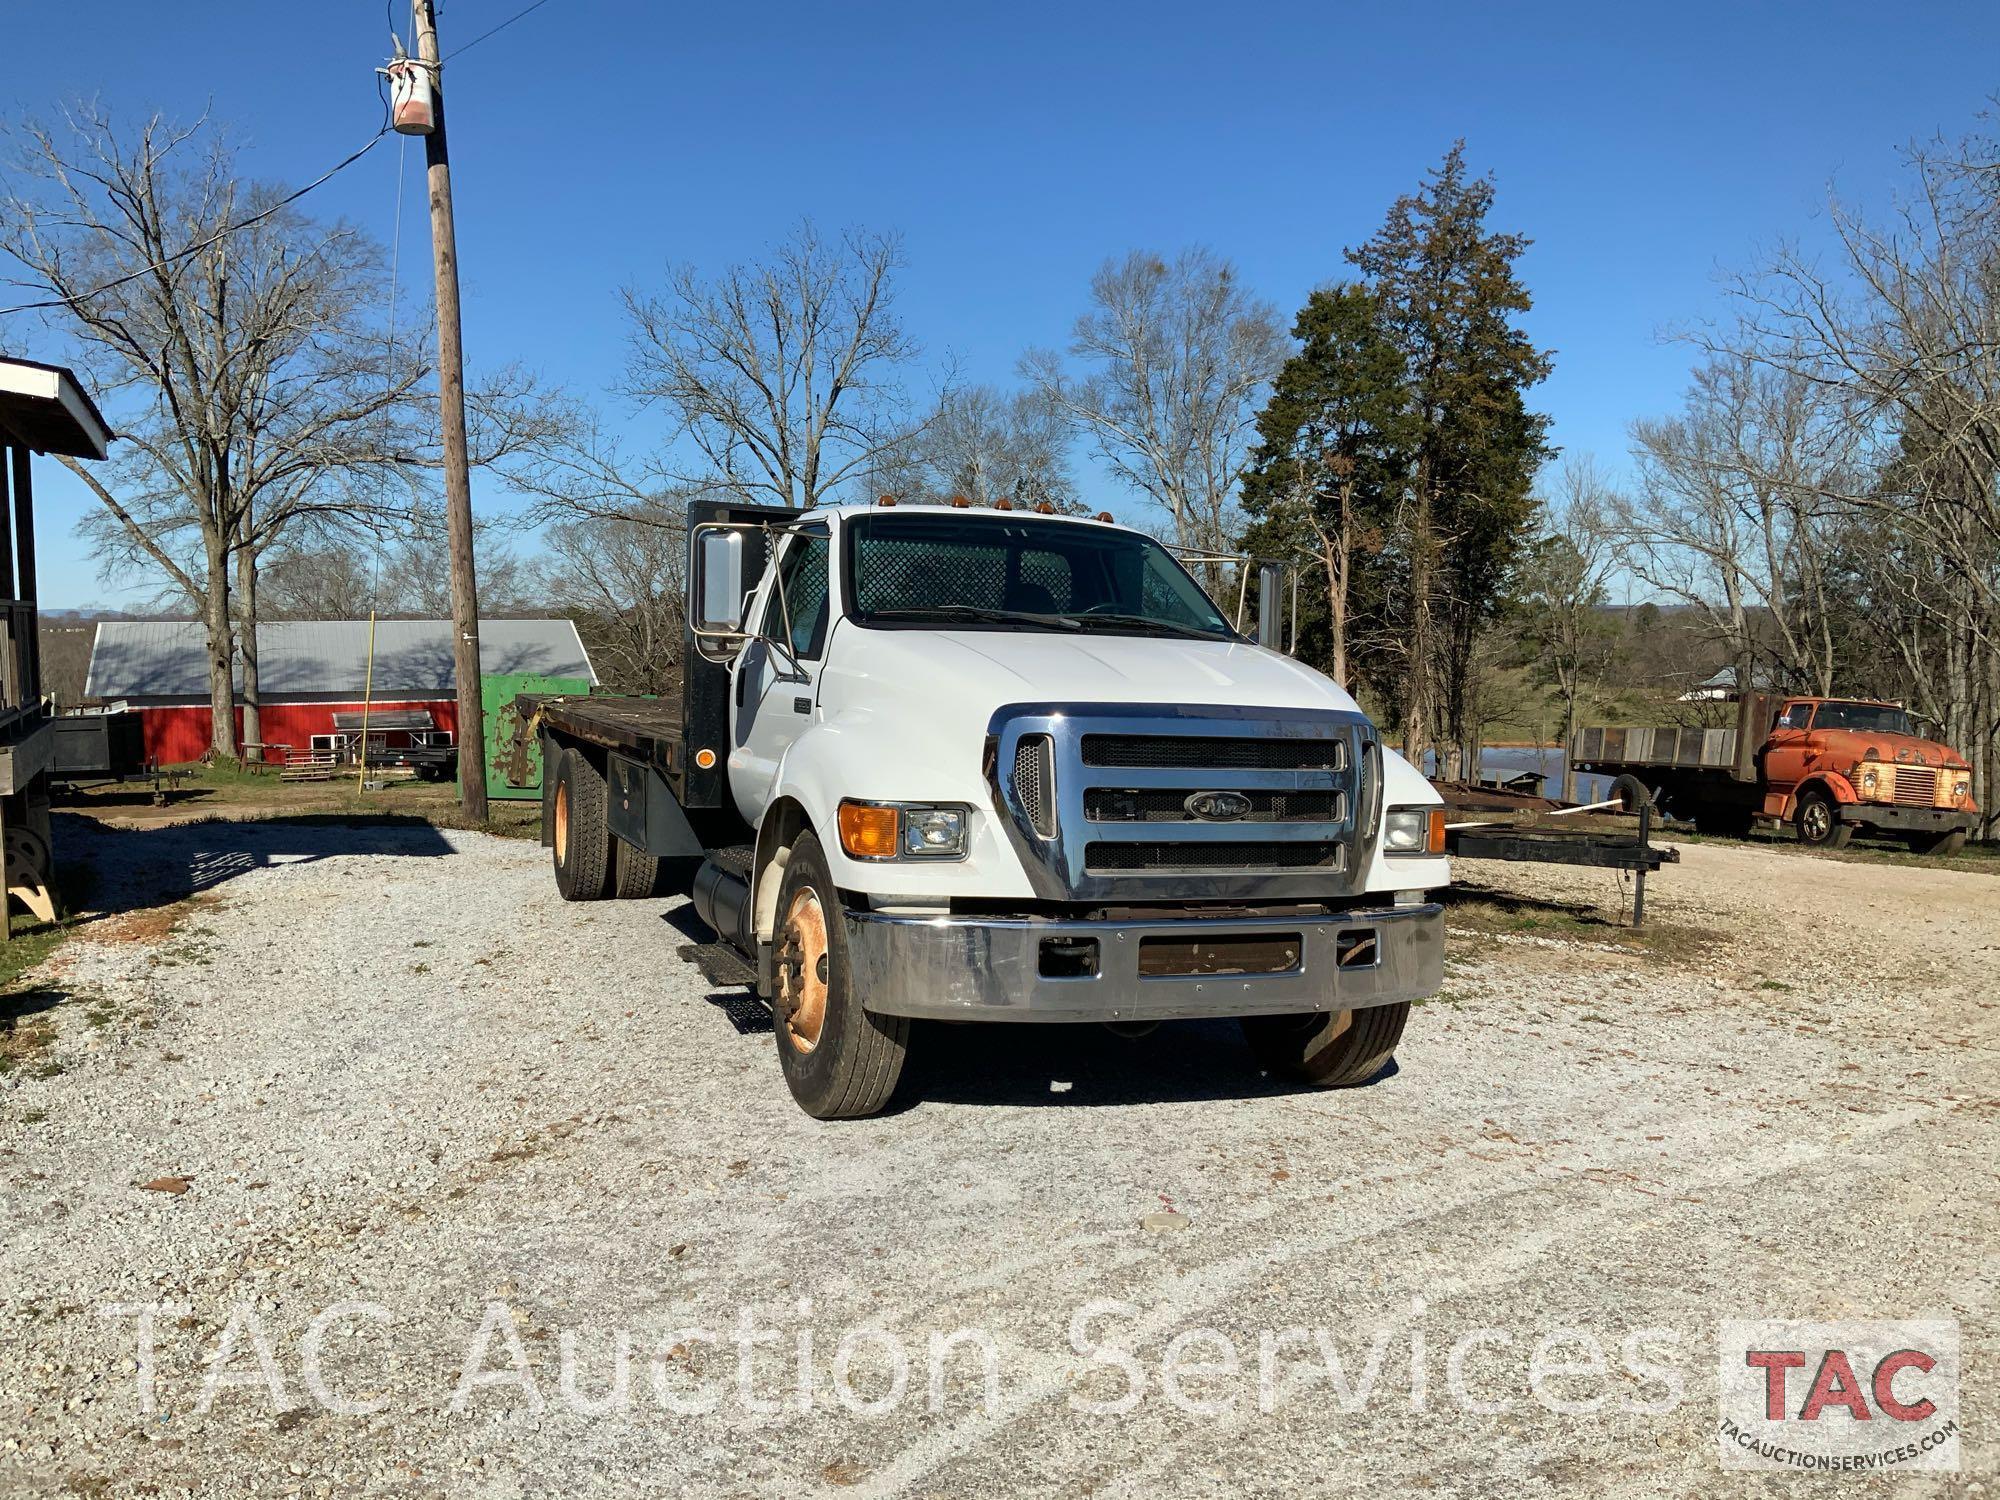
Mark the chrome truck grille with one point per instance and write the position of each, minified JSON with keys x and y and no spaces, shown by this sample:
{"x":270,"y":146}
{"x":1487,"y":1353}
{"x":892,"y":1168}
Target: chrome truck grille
{"x":1166,"y":802}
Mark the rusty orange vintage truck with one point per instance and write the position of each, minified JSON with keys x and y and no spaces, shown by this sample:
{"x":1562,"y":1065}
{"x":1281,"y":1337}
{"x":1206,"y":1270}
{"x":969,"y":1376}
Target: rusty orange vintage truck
{"x":1830,"y":767}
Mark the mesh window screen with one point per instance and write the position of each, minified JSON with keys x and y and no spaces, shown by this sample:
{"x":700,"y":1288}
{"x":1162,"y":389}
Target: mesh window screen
{"x":1027,"y":566}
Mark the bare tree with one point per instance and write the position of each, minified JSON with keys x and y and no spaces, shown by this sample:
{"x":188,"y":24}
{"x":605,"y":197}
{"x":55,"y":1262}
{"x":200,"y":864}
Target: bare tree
{"x":1564,"y":584}
{"x":624,"y":580}
{"x":1901,"y":327}
{"x":1734,"y":516}
{"x":246,"y":380}
{"x":407,"y":576}
{"x":986,"y":445}
{"x":240,"y":347}
{"x":1176,"y":354}
{"x":780,"y":374}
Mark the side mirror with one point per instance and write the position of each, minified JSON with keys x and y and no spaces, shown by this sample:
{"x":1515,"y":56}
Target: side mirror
{"x":715,"y":583}
{"x":1270,"y":606}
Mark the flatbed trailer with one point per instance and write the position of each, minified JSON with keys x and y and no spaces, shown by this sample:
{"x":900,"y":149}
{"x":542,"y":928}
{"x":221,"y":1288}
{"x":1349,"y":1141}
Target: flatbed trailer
{"x":656,"y":790}
{"x":1562,"y":846}
{"x":664,"y":759}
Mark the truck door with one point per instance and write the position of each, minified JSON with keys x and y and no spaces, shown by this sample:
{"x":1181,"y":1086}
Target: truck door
{"x":1786,"y":751}
{"x":772,"y":707}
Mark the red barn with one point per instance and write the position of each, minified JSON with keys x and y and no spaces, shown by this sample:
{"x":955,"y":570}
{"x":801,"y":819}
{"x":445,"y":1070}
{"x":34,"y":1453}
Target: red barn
{"x":312,"y":676}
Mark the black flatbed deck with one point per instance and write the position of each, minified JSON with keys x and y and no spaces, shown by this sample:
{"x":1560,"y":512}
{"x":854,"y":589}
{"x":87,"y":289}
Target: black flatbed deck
{"x":1557,"y":847}
{"x":609,"y":721}
{"x":651,"y":728}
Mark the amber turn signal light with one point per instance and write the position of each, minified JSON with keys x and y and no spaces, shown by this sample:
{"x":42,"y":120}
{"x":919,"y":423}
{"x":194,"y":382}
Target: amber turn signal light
{"x":868,"y":832}
{"x":1434,"y":838}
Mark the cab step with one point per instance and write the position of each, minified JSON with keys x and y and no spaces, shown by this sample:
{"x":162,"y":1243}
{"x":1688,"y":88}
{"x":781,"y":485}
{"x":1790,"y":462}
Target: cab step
{"x":720,"y":964}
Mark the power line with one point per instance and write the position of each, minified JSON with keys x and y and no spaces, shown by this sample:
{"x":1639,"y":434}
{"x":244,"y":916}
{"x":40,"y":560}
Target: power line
{"x":494,"y":32}
{"x":221,"y":234}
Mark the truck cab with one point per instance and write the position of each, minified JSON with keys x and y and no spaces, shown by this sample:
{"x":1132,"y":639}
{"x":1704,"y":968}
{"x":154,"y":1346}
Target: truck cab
{"x":1835,"y":766}
{"x":977,"y":764}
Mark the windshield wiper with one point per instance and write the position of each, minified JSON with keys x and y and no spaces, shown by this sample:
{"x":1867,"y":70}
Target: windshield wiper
{"x":1148,"y":622}
{"x":975,"y":612}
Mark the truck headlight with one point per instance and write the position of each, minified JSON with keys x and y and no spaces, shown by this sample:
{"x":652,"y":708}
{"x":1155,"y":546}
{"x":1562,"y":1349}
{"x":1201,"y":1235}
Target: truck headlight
{"x":1961,"y":786}
{"x":1868,"y":779}
{"x":902,"y":830}
{"x":1413,"y":830}
{"x":933,"y":831}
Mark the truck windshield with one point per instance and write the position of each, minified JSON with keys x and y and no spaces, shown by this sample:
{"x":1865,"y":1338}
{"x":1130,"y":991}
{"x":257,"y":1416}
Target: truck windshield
{"x":1873,"y":718}
{"x":981,"y":572}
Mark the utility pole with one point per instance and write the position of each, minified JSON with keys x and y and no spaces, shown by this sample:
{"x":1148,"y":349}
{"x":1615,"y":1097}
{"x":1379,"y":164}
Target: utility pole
{"x":451,"y":403}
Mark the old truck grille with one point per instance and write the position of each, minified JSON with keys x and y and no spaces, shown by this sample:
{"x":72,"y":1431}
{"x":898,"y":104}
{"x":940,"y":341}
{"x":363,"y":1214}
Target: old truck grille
{"x":1173,"y":802}
{"x":1915,"y":786}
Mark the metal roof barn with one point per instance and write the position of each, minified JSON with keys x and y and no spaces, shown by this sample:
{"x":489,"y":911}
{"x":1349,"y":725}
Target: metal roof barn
{"x":166,"y":661}
{"x":313,"y":675}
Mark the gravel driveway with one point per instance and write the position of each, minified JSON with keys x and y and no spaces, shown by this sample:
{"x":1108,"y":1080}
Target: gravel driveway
{"x":388,"y":1066}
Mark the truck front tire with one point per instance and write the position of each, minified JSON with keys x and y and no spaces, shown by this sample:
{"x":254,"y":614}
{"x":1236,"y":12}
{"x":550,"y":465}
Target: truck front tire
{"x":581,"y":837}
{"x":1942,"y":845}
{"x":1818,"y":822}
{"x":1334,"y":1050}
{"x":840,"y":1062}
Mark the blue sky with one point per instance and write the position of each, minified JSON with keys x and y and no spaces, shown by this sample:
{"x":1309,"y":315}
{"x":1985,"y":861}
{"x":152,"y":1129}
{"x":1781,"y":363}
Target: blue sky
{"x":1644,"y":148}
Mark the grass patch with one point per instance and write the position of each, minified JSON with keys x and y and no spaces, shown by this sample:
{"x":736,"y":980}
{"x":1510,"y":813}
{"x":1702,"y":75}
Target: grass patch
{"x":1494,"y":915}
{"x":30,"y":942}
{"x":1975,"y":859}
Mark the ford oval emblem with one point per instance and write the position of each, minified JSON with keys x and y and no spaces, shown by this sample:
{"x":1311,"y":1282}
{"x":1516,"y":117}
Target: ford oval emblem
{"x":1217,"y":807}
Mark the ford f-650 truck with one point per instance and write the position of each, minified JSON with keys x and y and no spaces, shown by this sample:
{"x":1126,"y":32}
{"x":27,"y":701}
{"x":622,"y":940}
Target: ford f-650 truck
{"x":967,"y":764}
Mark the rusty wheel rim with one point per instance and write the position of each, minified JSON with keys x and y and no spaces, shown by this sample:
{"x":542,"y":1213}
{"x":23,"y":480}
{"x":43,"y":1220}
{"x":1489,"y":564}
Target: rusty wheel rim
{"x":1818,"y":820}
{"x":562,"y":825}
{"x":802,"y":970}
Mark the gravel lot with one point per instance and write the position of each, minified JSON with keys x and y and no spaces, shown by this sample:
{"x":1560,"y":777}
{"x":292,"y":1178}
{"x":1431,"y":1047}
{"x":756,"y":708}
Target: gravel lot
{"x":390,"y":1066}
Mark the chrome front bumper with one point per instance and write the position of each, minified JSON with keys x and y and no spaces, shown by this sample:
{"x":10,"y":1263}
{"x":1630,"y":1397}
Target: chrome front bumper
{"x":990,"y":969}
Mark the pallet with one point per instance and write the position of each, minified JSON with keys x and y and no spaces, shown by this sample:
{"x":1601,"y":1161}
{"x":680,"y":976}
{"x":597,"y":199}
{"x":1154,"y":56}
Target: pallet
{"x":320,"y":766}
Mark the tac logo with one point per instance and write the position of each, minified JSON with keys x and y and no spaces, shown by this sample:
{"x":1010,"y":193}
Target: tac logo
{"x":1844,"y":1397}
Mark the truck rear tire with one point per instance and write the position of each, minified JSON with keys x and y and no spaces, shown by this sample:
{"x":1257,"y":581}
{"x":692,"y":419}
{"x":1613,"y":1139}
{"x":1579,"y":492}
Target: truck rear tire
{"x":1630,"y":793}
{"x":633,"y":875}
{"x":1817,"y":822}
{"x":1943,"y":845}
{"x":581,"y":837}
{"x":840,"y":1062}
{"x":1334,"y":1050}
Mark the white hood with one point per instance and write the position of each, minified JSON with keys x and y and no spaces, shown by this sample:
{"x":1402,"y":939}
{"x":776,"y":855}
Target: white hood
{"x":925,"y":697}
{"x":904,"y":717}
{"x":969,"y":673}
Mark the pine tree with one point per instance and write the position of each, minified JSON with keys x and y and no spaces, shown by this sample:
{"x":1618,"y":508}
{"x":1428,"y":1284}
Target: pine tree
{"x":1449,"y":296}
{"x":1332,"y":454}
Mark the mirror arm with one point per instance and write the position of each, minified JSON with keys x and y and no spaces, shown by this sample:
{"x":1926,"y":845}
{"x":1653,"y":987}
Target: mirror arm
{"x":793,"y":671}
